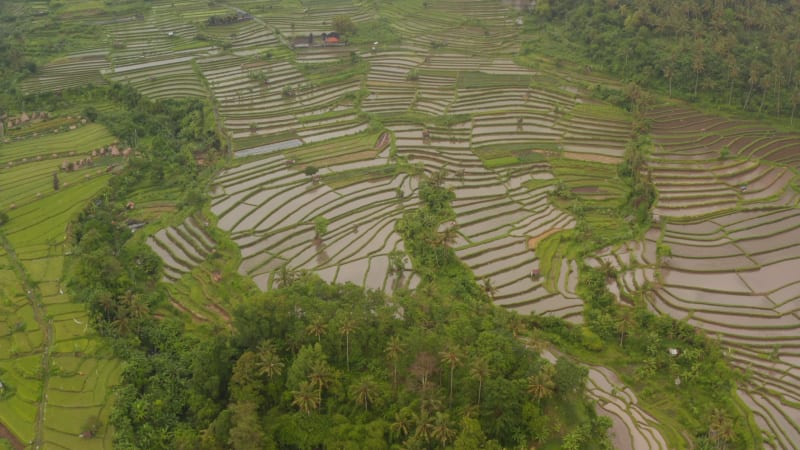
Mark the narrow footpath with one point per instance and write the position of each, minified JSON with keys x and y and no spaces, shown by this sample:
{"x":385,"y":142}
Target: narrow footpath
{"x":6,"y":434}
{"x":39,"y":314}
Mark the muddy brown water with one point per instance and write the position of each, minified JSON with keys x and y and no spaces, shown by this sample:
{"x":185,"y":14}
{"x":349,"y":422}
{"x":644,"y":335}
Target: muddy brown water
{"x":690,"y":250}
{"x":353,"y":272}
{"x":769,"y":236}
{"x":771,"y":277}
{"x":722,"y":282}
{"x":378,"y":269}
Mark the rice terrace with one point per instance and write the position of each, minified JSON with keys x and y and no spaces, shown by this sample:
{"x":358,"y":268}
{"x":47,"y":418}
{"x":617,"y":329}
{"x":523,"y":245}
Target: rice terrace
{"x":399,"y":224}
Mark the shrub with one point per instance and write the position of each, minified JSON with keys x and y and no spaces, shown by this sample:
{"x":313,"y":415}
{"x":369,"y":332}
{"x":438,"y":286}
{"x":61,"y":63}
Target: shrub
{"x":590,"y":340}
{"x":344,"y":25}
{"x":90,"y":112}
{"x":320,"y":226}
{"x":288,"y":92}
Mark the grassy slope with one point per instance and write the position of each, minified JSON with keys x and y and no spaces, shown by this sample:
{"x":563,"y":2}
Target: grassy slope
{"x":46,"y":322}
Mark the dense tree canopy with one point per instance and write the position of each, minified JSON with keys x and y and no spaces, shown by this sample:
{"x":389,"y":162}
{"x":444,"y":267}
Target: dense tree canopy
{"x":745,"y":54}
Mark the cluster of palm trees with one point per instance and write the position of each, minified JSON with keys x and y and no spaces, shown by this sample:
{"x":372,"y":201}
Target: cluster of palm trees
{"x":430,"y":423}
{"x":423,"y":427}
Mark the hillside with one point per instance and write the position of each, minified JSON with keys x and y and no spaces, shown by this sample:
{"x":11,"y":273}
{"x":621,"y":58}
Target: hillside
{"x":397,"y":224}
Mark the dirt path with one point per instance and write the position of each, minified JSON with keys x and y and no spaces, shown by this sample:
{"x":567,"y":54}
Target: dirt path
{"x":219,"y":310}
{"x":40,"y":315}
{"x":534,"y":241}
{"x":196,"y":317}
{"x":6,"y":434}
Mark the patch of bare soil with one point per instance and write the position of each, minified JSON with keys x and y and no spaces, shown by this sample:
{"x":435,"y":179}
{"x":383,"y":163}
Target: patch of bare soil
{"x":6,"y":434}
{"x":534,"y":241}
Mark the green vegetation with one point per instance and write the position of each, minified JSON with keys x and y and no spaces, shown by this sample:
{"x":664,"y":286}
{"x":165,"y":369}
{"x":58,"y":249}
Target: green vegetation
{"x":356,"y":369}
{"x":219,"y":230}
{"x":736,"y":56}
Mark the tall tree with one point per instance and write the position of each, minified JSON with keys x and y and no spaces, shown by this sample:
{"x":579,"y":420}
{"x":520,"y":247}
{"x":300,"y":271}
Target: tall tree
{"x":795,"y":102}
{"x":317,"y":327}
{"x":322,"y":375}
{"x":269,"y":362}
{"x":479,"y":370}
{"x":364,"y":391}
{"x":403,"y":422}
{"x":447,"y":237}
{"x":347,"y":328}
{"x":541,"y":384}
{"x":452,"y":358}
{"x":423,"y":426}
{"x":625,"y":323}
{"x":720,"y":428}
{"x":698,"y":64}
{"x":306,"y":397}
{"x":394,"y":349}
{"x":733,"y":74}
{"x":442,"y":429}
{"x":245,"y":382}
{"x":489,"y":288}
{"x":423,"y":367}
{"x":752,"y":81}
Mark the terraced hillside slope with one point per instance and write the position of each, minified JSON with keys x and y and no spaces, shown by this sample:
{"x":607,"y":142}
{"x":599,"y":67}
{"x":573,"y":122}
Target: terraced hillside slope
{"x":328,"y":145}
{"x":726,"y":253}
{"x":56,"y":375}
{"x":501,"y":123}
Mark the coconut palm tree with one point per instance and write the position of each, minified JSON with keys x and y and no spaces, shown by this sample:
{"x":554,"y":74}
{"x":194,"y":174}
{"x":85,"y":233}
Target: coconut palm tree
{"x":403,"y":421}
{"x":669,"y":74}
{"x":424,"y":426}
{"x":365,"y":391}
{"x":752,"y":81}
{"x":393,"y":350}
{"x":442,"y":429}
{"x":795,"y":102}
{"x":438,"y":178}
{"x":489,"y":288}
{"x":541,"y":385}
{"x":269,"y":363}
{"x":397,"y":262}
{"x":430,"y":399}
{"x":720,"y":428}
{"x":306,"y":397}
{"x":452,"y":358}
{"x":317,"y":327}
{"x":479,"y":369}
{"x":322,"y":375}
{"x":625,"y":323}
{"x":346,"y":329}
{"x":698,"y":65}
{"x":285,"y":276}
{"x":447,"y":237}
